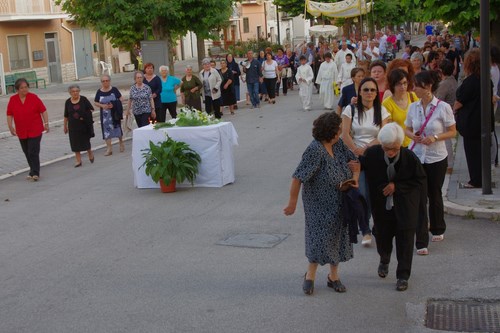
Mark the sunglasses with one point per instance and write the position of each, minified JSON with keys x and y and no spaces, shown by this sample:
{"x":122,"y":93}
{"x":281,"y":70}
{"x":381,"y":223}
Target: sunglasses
{"x":369,"y":90}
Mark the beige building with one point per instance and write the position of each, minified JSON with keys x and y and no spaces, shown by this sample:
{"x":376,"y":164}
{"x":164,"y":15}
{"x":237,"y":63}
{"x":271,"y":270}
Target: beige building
{"x":37,"y":35}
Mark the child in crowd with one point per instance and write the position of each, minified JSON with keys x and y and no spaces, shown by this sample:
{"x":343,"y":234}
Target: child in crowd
{"x":305,"y":77}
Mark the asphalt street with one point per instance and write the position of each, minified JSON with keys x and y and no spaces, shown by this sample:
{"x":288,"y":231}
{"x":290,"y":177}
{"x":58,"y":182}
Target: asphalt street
{"x":83,"y":250}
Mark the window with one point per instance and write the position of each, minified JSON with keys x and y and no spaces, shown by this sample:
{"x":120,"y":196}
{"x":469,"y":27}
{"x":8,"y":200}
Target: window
{"x":246,"y":25}
{"x":18,"y":52}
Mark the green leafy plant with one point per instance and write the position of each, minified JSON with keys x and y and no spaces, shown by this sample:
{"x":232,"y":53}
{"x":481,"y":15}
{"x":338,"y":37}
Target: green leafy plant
{"x":170,"y":160}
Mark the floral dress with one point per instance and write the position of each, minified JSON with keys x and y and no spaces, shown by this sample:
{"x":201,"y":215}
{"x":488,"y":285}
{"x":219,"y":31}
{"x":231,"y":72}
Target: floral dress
{"x":326,"y":236}
{"x":141,"y":98}
{"x":109,"y":128}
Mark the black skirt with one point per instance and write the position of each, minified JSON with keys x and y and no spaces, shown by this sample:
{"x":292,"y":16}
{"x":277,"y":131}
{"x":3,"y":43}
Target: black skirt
{"x":79,"y":140}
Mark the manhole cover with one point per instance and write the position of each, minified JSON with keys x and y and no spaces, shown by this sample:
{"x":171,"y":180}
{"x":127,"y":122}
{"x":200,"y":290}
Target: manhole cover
{"x":253,"y":240}
{"x":464,"y":315}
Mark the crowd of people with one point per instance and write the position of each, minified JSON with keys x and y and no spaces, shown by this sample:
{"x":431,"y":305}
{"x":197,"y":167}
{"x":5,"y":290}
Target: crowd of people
{"x":388,"y":132}
{"x":390,"y":137}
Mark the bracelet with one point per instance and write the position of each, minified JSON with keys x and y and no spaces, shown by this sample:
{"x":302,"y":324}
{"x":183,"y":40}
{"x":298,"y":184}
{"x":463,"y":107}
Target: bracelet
{"x":45,"y":123}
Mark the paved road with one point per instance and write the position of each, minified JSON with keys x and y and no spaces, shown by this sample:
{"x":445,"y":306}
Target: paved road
{"x":84,"y":251}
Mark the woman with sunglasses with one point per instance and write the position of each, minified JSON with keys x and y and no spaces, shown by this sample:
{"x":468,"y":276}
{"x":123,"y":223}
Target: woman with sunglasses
{"x":361,"y":123}
{"x":105,"y":98}
{"x":429,"y":123}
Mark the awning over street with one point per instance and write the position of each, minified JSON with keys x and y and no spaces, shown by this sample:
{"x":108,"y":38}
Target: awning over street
{"x":341,"y":9}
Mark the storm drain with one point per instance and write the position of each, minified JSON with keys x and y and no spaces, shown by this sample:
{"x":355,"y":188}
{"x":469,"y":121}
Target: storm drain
{"x":464,"y":315}
{"x":253,"y":240}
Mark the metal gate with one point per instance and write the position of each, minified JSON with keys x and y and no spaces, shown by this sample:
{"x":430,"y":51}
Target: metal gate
{"x":83,"y":53}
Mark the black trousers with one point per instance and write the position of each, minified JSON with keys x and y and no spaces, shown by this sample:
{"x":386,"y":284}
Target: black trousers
{"x":472,"y":147}
{"x":284,"y":80}
{"x":162,"y":115}
{"x":384,"y":234}
{"x":270,"y":87}
{"x":435,"y":179}
{"x":213,"y":105}
{"x":31,"y":149}
{"x":142,"y":119}
{"x":422,"y":232}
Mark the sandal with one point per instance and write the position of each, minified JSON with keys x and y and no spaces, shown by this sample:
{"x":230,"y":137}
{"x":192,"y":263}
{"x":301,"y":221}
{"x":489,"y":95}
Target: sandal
{"x":336,"y":285}
{"x":308,"y":286}
{"x":437,"y":238}
{"x":467,"y":186}
{"x":423,"y":252}
{"x":122,"y":147}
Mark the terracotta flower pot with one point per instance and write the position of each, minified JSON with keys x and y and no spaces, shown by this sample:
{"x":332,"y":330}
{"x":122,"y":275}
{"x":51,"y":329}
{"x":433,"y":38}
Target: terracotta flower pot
{"x":167,"y":188}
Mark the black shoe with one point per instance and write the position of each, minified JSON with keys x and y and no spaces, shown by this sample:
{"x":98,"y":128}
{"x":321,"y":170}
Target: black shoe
{"x":401,"y":285}
{"x":336,"y":285}
{"x":308,"y":286}
{"x":383,"y":270}
{"x":78,"y":165}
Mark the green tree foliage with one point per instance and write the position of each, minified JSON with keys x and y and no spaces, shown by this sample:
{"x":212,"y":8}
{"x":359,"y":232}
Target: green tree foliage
{"x":124,"y":21}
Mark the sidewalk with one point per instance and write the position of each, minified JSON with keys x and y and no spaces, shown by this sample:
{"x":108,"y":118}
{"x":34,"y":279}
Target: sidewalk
{"x":470,"y":203}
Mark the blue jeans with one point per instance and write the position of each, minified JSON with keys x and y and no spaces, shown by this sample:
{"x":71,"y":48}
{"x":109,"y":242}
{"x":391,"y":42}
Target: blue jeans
{"x":363,"y":188}
{"x":236,"y":89}
{"x":253,"y":91}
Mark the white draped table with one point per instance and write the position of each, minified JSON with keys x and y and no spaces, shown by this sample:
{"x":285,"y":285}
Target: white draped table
{"x":213,"y":143}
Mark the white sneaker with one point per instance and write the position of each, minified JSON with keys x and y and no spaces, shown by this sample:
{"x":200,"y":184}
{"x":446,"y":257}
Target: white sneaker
{"x":367,"y":240}
{"x":423,"y":252}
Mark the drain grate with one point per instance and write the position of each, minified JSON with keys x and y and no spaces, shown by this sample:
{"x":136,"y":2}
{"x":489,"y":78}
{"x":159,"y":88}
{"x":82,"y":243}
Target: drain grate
{"x":253,"y":240}
{"x":464,"y":315}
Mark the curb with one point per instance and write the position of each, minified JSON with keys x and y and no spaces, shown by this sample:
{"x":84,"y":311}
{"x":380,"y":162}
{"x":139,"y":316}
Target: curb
{"x":59,"y":159}
{"x":455,"y":209}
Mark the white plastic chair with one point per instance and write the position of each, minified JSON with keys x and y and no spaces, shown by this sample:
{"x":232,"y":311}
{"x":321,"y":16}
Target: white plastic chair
{"x":105,"y":67}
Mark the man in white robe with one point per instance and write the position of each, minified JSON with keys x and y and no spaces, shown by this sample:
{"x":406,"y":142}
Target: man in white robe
{"x":340,"y":56}
{"x":305,"y":78}
{"x":327,"y":74}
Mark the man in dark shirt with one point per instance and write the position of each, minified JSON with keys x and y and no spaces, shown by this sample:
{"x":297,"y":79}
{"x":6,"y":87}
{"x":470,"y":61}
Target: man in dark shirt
{"x":254,"y":75}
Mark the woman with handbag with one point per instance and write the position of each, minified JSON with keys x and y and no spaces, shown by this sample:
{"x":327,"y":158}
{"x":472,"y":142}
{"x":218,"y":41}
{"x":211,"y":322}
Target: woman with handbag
{"x":429,"y":123}
{"x":104,"y":99}
{"x":283,"y":68}
{"x":361,"y":123}
{"x":78,"y":123}
{"x":325,"y":165}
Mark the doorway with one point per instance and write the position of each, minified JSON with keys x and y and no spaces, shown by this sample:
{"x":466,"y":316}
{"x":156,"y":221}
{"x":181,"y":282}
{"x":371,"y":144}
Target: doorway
{"x":53,"y":59}
{"x":83,"y":51}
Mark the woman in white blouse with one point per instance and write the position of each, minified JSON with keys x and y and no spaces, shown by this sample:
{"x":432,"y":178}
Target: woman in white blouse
{"x":270,"y":73}
{"x":360,"y":126}
{"x":429,"y":123}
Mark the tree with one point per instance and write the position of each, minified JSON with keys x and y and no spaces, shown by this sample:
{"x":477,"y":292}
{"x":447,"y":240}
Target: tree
{"x":463,"y":15}
{"x":124,"y":21}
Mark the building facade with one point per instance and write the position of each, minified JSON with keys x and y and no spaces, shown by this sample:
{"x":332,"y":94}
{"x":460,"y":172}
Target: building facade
{"x":38,"y":36}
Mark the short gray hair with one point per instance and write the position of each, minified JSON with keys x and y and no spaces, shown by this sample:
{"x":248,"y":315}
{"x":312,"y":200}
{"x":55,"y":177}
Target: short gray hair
{"x":73,"y":86}
{"x":390,"y":134}
{"x":105,"y":76}
{"x":417,"y":55}
{"x":164,"y":67}
{"x":206,"y":61}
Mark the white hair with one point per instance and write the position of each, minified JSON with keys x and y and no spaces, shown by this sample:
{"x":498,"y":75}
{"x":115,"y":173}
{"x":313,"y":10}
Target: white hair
{"x":391,"y":134}
{"x":205,"y":61}
{"x":163,"y":67}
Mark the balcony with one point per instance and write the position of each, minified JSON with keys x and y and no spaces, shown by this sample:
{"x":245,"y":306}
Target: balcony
{"x":29,"y":10}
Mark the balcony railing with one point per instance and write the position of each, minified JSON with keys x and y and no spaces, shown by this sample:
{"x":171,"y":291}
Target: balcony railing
{"x":29,"y":7}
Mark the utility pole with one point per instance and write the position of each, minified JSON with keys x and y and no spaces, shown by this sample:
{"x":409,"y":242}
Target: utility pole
{"x":278,"y":23}
{"x":484,"y":26}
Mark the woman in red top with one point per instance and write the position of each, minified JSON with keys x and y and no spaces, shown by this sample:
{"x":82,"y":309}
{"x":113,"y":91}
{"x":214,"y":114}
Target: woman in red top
{"x":31,"y":119}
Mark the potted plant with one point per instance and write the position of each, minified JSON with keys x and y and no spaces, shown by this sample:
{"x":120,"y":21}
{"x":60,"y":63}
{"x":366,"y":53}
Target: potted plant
{"x":169,"y":162}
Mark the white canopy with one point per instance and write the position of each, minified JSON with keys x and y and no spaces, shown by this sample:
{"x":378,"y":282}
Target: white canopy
{"x":341,"y":9}
{"x":323,"y":30}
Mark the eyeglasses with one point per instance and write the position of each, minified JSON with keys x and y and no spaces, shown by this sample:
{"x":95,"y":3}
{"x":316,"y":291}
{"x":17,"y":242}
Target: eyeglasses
{"x":402,"y":84}
{"x":105,"y":81}
{"x":369,"y":90}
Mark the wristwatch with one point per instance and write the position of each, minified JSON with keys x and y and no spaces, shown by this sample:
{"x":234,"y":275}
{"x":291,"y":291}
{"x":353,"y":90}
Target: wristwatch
{"x":436,"y":137}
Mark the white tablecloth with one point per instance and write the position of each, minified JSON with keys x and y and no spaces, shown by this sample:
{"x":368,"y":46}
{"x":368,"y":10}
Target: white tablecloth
{"x":213,"y":143}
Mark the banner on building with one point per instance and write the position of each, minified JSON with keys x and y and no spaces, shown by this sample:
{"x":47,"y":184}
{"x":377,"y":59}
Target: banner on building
{"x":341,"y":9}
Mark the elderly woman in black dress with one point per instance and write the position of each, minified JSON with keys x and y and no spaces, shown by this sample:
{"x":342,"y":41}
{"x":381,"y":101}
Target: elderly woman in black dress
{"x":227,"y":92}
{"x":326,"y":163}
{"x":78,"y":123}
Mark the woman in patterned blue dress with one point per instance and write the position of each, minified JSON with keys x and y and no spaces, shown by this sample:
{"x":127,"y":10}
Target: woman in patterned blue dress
{"x":325,"y":164}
